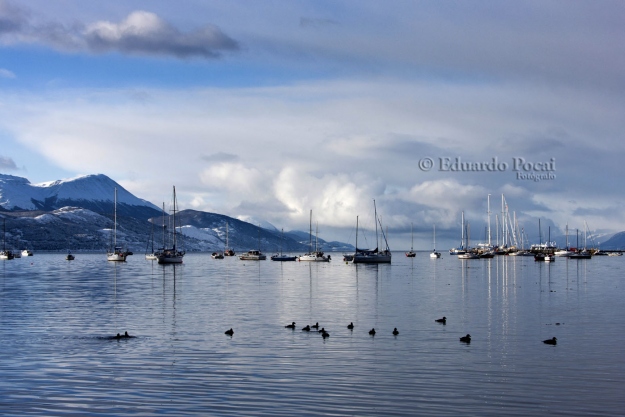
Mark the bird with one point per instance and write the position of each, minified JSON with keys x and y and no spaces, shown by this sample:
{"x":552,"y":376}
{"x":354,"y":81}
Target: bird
{"x":551,"y":341}
{"x":350,"y":326}
{"x":466,"y":339}
{"x":395,"y":331}
{"x":315,"y":326}
{"x":290,"y":326}
{"x":443,"y":320}
{"x":306,"y":329}
{"x":372,"y":332}
{"x":325,"y":334}
{"x":229,"y":332}
{"x":322,"y":330}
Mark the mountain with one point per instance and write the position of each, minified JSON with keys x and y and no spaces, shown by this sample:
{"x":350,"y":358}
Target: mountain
{"x":92,"y":192}
{"x":77,"y":214}
{"x":616,"y":242}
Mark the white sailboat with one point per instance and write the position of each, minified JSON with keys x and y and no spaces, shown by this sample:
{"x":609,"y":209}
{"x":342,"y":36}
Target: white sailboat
{"x":116,"y":253}
{"x":314,"y":255}
{"x":372,"y":256}
{"x":412,"y":253}
{"x":460,"y":250}
{"x":567,"y":250}
{"x":5,"y":254}
{"x":172,"y":255}
{"x":434,"y":254}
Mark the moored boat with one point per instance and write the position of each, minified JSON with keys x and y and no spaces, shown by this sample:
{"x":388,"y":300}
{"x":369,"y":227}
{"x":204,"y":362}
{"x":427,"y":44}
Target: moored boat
{"x":314,"y":255}
{"x":116,"y":253}
{"x":434,"y":254}
{"x":372,"y":256}
{"x":253,"y":255}
{"x":411,"y":253}
{"x":280,"y":257}
{"x":172,"y":255}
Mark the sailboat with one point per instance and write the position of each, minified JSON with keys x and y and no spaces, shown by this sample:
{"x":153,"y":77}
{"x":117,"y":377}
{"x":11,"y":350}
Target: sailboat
{"x":434,"y":254}
{"x":412,"y":253}
{"x":116,"y":253}
{"x":584,"y":253}
{"x":172,"y":255}
{"x":5,"y":254}
{"x":228,"y":250}
{"x":460,"y":250}
{"x":544,"y":252}
{"x":314,"y":255}
{"x":282,"y":257}
{"x":151,"y":256}
{"x":567,"y":250}
{"x":253,"y":254}
{"x":372,"y":256}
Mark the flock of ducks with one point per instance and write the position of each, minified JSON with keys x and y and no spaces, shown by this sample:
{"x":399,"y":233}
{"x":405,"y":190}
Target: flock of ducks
{"x":350,"y":326}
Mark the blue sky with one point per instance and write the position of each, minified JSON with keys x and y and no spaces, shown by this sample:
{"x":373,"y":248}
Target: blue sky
{"x":270,"y":109}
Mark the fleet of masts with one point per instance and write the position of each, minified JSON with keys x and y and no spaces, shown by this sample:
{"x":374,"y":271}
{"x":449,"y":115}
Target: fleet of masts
{"x":510,"y":239}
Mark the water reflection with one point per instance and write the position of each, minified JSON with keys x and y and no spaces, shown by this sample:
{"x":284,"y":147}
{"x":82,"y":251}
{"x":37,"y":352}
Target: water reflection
{"x":182,"y":354}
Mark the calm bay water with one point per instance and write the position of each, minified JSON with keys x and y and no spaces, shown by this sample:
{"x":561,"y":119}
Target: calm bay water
{"x":57,"y":358}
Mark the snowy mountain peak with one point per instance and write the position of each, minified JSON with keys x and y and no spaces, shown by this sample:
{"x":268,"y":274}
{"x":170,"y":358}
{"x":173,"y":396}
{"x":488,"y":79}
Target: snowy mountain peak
{"x":87,"y":191}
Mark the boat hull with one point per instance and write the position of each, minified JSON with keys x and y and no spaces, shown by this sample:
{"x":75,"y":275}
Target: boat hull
{"x":379,"y":258}
{"x":314,"y":257}
{"x":116,"y":256}
{"x":283,"y":258}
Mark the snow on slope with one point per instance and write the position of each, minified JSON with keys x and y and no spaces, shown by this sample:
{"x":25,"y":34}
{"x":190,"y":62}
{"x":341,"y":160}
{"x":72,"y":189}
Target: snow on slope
{"x":18,"y":192}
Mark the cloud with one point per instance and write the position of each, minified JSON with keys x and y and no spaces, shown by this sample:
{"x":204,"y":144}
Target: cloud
{"x":145,"y":33}
{"x":5,"y":73}
{"x":12,"y":19}
{"x":7,"y":164}
{"x":140,"y":33}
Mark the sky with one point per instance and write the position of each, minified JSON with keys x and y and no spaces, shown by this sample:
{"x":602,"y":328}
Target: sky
{"x":267,"y":110}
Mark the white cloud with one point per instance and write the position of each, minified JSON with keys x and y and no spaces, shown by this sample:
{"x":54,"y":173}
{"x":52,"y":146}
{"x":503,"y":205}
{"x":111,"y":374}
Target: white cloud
{"x":5,"y":73}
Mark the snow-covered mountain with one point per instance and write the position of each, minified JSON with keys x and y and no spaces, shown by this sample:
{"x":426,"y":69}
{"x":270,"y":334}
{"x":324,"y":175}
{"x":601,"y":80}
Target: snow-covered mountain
{"x":93,"y":192}
{"x":77,"y":214}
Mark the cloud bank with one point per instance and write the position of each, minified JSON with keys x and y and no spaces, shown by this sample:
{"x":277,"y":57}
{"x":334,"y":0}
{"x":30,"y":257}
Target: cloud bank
{"x":140,"y":33}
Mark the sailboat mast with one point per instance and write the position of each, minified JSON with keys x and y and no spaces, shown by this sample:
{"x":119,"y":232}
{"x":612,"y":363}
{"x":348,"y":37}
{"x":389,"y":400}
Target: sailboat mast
{"x":462,"y":238}
{"x":488,"y":210}
{"x":411,"y":238}
{"x":310,"y":231}
{"x":356,"y":233}
{"x":115,"y":221}
{"x":174,"y":221}
{"x":375,"y":212}
{"x":434,"y":239}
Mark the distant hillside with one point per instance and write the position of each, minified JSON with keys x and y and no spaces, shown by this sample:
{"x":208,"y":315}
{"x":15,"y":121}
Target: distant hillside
{"x":77,"y":214}
{"x":91,"y":192}
{"x":616,"y":242}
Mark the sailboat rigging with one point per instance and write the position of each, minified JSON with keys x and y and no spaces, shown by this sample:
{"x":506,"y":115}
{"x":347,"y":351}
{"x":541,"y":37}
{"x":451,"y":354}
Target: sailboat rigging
{"x":434,"y":254}
{"x":314,"y":255}
{"x":372,"y":256}
{"x":282,"y":257}
{"x":412,"y":253}
{"x":116,"y":253}
{"x":172,"y":255}
{"x":228,"y":250}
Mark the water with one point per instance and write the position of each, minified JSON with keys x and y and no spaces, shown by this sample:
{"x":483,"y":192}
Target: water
{"x":56,"y":319}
